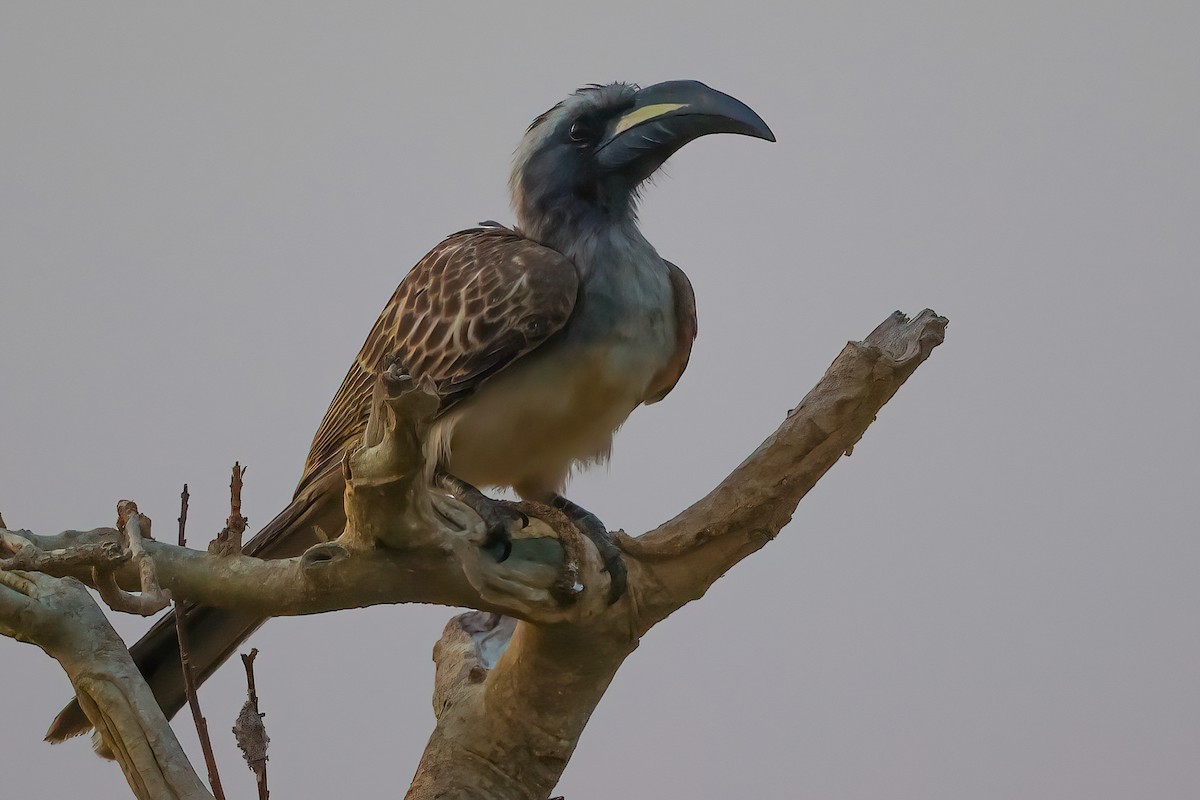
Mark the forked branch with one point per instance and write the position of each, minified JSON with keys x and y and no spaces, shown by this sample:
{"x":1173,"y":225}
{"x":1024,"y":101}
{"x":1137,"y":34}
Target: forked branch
{"x":508,"y":722}
{"x":518,"y":678}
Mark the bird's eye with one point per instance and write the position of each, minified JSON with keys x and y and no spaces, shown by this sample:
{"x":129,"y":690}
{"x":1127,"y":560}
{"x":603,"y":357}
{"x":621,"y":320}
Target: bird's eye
{"x":582,"y":133}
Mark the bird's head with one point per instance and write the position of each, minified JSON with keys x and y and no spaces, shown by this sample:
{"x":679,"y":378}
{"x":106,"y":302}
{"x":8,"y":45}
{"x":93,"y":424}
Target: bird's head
{"x":585,"y":159}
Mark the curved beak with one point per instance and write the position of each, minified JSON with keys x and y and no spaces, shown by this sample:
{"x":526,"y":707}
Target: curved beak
{"x":664,"y":118}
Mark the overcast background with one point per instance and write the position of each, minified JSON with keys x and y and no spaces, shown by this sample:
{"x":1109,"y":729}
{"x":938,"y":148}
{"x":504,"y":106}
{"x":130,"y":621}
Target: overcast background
{"x":204,"y":206}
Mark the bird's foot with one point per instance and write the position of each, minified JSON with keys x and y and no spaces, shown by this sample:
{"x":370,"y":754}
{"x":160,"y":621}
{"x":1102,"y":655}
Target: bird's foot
{"x":591,"y":526}
{"x":497,"y":515}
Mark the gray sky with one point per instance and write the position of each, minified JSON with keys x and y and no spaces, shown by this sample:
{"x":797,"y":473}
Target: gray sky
{"x":203,"y":207}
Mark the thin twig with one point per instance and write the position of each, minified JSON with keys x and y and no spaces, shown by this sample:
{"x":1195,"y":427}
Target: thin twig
{"x":183,"y":506}
{"x":189,"y":679}
{"x":248,"y":663}
{"x":229,"y":540}
{"x":249,"y":730}
{"x":236,"y":520}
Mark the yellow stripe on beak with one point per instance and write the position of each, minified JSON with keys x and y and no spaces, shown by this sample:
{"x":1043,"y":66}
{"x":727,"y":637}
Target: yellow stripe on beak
{"x":643,"y":114}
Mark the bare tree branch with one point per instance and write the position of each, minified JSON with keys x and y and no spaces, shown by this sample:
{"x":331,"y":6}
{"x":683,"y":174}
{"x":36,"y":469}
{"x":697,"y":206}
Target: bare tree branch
{"x":229,"y":540}
{"x":152,"y":598}
{"x":98,"y":558}
{"x":508,"y":721}
{"x":518,"y":679}
{"x":511,"y":700}
{"x":185,"y":663}
{"x":104,"y":554}
{"x":403,"y":543}
{"x":684,"y":556}
{"x":60,"y":616}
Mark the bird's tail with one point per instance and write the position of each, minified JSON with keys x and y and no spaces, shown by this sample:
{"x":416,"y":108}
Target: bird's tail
{"x":214,"y":633}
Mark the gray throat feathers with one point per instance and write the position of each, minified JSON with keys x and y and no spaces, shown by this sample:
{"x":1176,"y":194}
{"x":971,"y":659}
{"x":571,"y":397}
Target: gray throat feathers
{"x":625,"y":291}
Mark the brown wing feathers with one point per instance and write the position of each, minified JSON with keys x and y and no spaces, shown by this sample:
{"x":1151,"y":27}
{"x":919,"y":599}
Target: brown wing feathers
{"x":685,"y":335}
{"x":478,"y":301}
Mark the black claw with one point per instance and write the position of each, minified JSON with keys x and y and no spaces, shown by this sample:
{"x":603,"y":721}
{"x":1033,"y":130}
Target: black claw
{"x":497,"y":515}
{"x":498,"y":543}
{"x":619,"y":578}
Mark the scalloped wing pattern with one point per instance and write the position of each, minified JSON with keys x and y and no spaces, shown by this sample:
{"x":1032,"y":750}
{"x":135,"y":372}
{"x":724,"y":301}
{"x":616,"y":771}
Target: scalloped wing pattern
{"x":477,"y":302}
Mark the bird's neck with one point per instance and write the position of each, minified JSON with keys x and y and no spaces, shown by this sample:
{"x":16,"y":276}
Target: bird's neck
{"x":595,"y":239}
{"x":626,"y":287}
{"x":606,"y":253}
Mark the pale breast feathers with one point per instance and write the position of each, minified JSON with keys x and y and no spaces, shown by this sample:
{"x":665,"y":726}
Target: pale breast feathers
{"x":477,"y":302}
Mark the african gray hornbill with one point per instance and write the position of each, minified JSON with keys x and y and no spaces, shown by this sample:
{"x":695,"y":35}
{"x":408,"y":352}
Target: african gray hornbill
{"x":540,"y":341}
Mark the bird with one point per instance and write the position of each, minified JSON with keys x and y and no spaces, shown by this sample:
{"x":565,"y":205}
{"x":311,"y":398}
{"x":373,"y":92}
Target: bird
{"x":539,"y":339}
